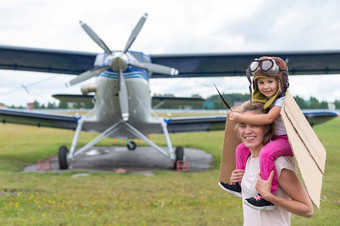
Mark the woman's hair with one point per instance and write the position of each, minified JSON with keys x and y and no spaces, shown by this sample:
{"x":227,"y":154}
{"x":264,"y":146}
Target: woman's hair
{"x":257,"y":108}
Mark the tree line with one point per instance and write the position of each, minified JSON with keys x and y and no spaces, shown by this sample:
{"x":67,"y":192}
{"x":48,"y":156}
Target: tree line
{"x":234,"y":98}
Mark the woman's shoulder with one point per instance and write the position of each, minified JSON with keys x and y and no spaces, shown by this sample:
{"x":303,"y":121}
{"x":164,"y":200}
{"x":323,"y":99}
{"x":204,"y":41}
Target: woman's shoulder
{"x":284,"y":162}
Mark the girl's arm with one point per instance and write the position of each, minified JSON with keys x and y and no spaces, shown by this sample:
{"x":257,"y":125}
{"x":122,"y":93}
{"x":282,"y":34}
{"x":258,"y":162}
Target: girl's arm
{"x":258,"y":119}
{"x":236,"y":175}
{"x":290,"y":184}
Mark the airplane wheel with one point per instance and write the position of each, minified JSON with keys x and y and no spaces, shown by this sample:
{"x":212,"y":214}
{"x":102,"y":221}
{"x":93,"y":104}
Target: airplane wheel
{"x":62,"y":157}
{"x":131,"y":146}
{"x":179,"y":155}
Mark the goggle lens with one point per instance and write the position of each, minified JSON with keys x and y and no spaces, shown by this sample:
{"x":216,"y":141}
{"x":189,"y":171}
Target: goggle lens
{"x":266,"y":65}
{"x":253,"y":66}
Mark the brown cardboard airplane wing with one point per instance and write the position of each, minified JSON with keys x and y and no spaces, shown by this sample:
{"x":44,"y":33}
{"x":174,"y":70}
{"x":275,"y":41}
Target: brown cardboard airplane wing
{"x":228,"y":155}
{"x":309,"y":152}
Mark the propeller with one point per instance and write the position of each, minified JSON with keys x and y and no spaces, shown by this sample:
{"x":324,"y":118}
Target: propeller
{"x":123,"y":96}
{"x":156,"y":68}
{"x":118,"y":61}
{"x":95,"y":37}
{"x":135,"y":32}
{"x":87,"y":75}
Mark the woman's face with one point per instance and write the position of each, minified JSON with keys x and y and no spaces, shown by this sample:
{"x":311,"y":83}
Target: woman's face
{"x":252,"y":135}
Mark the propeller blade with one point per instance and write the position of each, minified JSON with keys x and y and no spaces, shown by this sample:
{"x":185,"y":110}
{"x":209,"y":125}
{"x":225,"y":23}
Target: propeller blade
{"x":95,"y":37}
{"x":123,"y":96}
{"x":135,"y":32}
{"x":157,"y":68}
{"x":87,"y":75}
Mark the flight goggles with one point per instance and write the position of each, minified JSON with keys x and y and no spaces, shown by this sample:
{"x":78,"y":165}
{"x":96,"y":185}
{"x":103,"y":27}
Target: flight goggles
{"x":267,"y":66}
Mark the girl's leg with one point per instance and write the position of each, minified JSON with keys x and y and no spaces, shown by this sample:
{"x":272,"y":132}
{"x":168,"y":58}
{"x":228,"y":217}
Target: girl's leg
{"x":241,"y":155}
{"x":279,"y":146}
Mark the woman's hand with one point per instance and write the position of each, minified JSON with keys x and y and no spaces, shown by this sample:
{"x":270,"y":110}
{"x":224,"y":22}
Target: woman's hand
{"x":236,"y":175}
{"x":264,"y":186}
{"x":299,"y":203}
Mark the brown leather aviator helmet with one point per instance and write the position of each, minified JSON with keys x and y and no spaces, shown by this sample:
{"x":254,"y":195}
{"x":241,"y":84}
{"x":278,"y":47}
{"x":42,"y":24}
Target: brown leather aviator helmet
{"x":265,"y":67}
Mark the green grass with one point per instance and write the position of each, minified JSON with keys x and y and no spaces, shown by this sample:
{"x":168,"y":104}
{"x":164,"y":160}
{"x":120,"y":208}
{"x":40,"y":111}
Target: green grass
{"x":166,"y":198}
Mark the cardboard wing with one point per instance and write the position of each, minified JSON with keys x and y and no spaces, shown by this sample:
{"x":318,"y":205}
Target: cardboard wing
{"x":309,"y":152}
{"x":228,"y":155}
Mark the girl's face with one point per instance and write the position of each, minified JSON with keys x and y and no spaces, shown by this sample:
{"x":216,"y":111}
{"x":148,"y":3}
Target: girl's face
{"x":252,"y":135}
{"x":268,"y":86}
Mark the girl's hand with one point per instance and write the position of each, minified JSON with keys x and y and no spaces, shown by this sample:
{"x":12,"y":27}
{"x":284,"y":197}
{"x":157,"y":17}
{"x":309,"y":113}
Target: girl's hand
{"x":264,"y":187}
{"x":236,"y":175}
{"x":234,"y":116}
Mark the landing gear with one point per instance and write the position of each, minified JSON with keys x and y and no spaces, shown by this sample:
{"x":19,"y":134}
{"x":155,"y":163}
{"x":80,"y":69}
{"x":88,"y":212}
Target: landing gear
{"x":65,"y":157}
{"x":131,"y":145}
{"x":62,"y":157}
{"x":179,"y":155}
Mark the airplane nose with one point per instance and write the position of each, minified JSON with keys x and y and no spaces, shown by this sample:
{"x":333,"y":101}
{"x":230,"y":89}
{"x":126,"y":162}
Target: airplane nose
{"x":119,"y":62}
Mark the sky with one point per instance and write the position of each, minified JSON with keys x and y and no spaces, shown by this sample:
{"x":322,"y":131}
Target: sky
{"x":173,"y":26}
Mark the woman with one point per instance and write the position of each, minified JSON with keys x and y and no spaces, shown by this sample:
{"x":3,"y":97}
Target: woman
{"x":291,"y":197}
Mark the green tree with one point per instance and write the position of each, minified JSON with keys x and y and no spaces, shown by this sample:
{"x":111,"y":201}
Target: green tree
{"x":36,"y":104}
{"x":62,"y":105}
{"x":301,"y":102}
{"x":337,"y":104}
{"x":196,"y":95}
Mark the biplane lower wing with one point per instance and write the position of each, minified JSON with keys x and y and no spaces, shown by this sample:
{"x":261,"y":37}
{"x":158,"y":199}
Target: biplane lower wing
{"x":40,"y":119}
{"x":44,"y":119}
{"x":174,"y":125}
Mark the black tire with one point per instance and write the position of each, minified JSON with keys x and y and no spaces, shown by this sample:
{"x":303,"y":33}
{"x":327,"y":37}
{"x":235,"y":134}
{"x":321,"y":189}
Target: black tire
{"x":131,"y":145}
{"x":62,"y":157}
{"x":179,"y":155}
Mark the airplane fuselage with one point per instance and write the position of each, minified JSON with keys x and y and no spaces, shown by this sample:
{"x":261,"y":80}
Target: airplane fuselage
{"x":107,"y":109}
{"x":107,"y":102}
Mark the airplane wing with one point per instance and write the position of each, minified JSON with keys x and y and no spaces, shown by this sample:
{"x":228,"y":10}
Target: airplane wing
{"x":316,"y":117}
{"x":195,"y":124}
{"x":210,"y":123}
{"x":175,"y":125}
{"x":189,"y":65}
{"x":39,"y":119}
{"x":75,"y":98}
{"x":156,"y":100}
{"x":45,"y":60}
{"x":175,"y":101}
{"x":234,"y":64}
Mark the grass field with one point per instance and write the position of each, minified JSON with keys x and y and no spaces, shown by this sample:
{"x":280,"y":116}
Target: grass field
{"x":166,"y":198}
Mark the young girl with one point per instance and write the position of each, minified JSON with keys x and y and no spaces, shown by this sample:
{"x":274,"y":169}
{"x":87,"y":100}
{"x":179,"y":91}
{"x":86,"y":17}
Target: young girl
{"x":270,"y":84}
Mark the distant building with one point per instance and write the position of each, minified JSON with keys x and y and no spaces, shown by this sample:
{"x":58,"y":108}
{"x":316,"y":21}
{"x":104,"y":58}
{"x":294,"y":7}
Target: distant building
{"x":208,"y":105}
{"x":2,"y":105}
{"x":30,"y":106}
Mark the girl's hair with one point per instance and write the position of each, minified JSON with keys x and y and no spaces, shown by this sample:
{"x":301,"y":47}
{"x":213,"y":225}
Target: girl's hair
{"x":257,"y":108}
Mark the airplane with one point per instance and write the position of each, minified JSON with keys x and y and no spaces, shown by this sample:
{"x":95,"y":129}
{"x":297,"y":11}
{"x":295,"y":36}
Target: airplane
{"x":122,"y":102}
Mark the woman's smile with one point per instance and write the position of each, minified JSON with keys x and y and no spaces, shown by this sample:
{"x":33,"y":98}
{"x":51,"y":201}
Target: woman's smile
{"x":251,"y":135}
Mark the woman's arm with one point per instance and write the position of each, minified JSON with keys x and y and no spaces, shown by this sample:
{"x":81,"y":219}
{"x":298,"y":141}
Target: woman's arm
{"x":290,"y":184}
{"x":258,"y":119}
